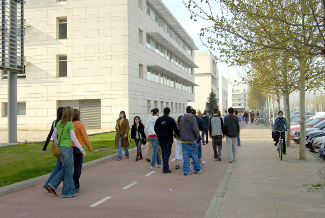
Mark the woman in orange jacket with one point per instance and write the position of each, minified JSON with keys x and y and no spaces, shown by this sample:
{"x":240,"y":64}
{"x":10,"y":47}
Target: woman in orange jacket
{"x":82,"y":137}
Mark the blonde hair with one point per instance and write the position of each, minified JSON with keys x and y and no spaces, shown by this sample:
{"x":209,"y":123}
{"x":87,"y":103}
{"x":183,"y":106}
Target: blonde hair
{"x":67,"y":115}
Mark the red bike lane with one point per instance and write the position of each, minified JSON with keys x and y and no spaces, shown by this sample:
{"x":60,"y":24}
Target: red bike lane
{"x":126,"y":189}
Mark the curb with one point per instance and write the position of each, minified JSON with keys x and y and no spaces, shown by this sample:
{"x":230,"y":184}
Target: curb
{"x":213,"y":209}
{"x":35,"y":181}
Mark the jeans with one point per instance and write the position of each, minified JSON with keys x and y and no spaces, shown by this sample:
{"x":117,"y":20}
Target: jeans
{"x":231,"y":145}
{"x":155,"y":156}
{"x":57,"y":168}
{"x":166,"y":151}
{"x":205,"y":132}
{"x":246,"y":120}
{"x":65,"y":174}
{"x":138,"y":143}
{"x":238,"y":139}
{"x":199,"y":149}
{"x":149,"y":156}
{"x":119,"y":151}
{"x":77,"y":162}
{"x":216,"y":142}
{"x":190,"y":151}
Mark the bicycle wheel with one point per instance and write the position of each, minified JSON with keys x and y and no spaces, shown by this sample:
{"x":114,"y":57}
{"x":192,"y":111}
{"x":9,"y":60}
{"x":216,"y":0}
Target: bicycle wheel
{"x":281,"y":149}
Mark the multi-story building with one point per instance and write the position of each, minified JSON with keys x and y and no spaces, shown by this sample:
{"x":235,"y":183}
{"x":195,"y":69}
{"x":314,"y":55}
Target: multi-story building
{"x":237,"y":97}
{"x":223,"y":94}
{"x":101,"y":57}
{"x":206,"y":78}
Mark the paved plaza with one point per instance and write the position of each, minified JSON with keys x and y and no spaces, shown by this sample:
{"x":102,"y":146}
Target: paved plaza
{"x":257,"y":185}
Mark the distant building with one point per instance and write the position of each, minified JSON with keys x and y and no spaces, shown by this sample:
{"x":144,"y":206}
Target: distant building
{"x":237,"y":97}
{"x":206,"y":78}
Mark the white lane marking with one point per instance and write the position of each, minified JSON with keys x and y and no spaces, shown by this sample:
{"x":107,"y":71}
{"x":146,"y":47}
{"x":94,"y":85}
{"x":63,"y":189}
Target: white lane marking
{"x":128,"y":186}
{"x":149,"y":174}
{"x":173,"y":159}
{"x":101,"y":201}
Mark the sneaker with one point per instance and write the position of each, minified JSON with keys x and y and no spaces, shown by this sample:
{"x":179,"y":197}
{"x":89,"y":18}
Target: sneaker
{"x":203,"y":163}
{"x":191,"y":166}
{"x":203,"y":143}
{"x":219,"y":159}
{"x":177,"y":167}
{"x":77,"y":190}
{"x":230,"y":161}
{"x":168,"y":171}
{"x":215,"y":159}
{"x":47,"y":189}
{"x":148,"y":160}
{"x":284,"y":153}
{"x":153,"y":168}
{"x":186,"y":174}
{"x":159,"y":165}
{"x":198,"y":172}
{"x":275,"y":144}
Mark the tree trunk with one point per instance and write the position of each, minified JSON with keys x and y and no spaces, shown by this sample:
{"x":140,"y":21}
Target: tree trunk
{"x":287,"y":111}
{"x":278,"y":98}
{"x":302,"y":145}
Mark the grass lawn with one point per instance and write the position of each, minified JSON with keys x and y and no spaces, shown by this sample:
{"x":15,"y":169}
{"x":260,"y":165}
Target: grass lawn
{"x":25,"y":161}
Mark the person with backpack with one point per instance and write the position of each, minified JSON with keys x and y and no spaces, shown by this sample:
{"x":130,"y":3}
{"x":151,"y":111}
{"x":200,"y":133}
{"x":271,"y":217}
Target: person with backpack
{"x":206,"y":125}
{"x":215,"y":130}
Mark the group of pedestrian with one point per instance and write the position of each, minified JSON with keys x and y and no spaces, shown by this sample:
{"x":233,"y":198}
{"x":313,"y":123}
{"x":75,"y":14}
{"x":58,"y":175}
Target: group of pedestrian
{"x":70,"y":134}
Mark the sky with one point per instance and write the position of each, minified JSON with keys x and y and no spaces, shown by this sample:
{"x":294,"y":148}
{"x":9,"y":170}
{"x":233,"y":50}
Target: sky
{"x":193,"y":28}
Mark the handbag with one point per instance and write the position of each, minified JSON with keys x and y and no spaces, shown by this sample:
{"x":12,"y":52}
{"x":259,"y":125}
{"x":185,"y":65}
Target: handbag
{"x":56,"y":148}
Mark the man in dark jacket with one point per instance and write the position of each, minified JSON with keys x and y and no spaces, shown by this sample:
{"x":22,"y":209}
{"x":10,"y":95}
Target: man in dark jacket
{"x":199,"y":146}
{"x":206,"y":125}
{"x":164,"y":128}
{"x":189,"y":131}
{"x":231,"y":130}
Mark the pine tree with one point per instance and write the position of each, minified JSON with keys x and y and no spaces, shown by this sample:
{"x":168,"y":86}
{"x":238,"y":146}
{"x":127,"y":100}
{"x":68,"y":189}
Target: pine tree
{"x":211,"y":103}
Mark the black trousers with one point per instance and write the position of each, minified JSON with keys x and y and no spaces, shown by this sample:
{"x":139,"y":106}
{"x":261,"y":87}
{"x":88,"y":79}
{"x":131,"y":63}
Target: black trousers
{"x":77,"y":162}
{"x":166,"y":149}
{"x":277,"y":137}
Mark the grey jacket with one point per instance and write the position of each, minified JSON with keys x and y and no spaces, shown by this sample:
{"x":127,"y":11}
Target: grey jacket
{"x":216,"y":126}
{"x":188,"y":128}
{"x":231,"y":126}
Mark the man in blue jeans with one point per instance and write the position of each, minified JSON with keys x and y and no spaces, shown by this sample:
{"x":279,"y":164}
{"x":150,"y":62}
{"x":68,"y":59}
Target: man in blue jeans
{"x":189,"y":131}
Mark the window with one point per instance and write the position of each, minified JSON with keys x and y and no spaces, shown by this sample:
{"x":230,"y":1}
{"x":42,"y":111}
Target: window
{"x":63,"y":66}
{"x":21,"y":108}
{"x":156,"y":104}
{"x":140,"y":4}
{"x":141,"y":36}
{"x":141,"y":75}
{"x":172,"y":107}
{"x":162,"y":105}
{"x":62,"y":28}
{"x":148,"y":106}
{"x":62,"y":0}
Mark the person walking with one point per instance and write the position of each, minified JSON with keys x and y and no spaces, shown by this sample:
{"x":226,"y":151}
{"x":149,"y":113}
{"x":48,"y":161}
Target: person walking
{"x":206,"y":125}
{"x":189,"y":133}
{"x":82,"y":138}
{"x":238,"y":136}
{"x":58,"y":165}
{"x":164,"y":127}
{"x":252,"y":116}
{"x":138,"y":135}
{"x":122,"y":133}
{"x":178,"y":147}
{"x":231,"y":130}
{"x":199,"y":145}
{"x":215,"y":130}
{"x":64,"y":135}
{"x":153,"y":138}
{"x":246,"y":117}
{"x":149,"y":155}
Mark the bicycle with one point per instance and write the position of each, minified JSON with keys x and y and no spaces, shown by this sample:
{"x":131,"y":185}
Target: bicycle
{"x":280,"y":145}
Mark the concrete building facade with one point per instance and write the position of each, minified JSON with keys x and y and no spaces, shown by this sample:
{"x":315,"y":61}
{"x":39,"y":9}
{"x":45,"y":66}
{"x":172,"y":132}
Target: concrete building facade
{"x":206,"y":78}
{"x":102,"y":57}
{"x":237,"y":97}
{"x":223,"y":94}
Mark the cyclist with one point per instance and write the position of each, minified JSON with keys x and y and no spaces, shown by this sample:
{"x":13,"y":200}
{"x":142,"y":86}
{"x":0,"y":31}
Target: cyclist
{"x":280,"y":124}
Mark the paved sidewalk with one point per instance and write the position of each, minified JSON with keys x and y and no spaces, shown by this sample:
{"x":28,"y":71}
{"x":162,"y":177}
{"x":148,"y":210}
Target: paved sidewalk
{"x":263,"y":186}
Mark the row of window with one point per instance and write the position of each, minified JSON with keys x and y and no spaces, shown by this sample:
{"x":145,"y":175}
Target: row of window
{"x":167,"y":54}
{"x":157,"y":77}
{"x":21,"y":108}
{"x":159,"y":20}
{"x":174,"y":107}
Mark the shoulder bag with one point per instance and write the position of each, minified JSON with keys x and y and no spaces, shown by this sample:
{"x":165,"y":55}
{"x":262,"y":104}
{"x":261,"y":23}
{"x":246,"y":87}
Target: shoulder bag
{"x":56,"y":148}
